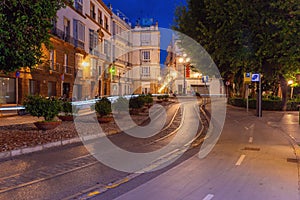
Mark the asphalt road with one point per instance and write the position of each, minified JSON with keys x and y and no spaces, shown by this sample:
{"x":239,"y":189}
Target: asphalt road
{"x":251,"y":160}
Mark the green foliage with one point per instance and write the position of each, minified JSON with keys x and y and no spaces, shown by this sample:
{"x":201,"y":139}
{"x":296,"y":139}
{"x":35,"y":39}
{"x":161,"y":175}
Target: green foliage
{"x":103,"y":107}
{"x":24,"y":27}
{"x":122,"y":104}
{"x":42,"y":107}
{"x":67,"y":108}
{"x":148,"y":99}
{"x":245,"y":36}
{"x":136,"y":102}
{"x":267,"y":104}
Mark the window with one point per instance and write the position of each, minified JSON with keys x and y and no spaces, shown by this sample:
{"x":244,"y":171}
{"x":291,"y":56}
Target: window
{"x":93,"y":68}
{"x":78,"y":5}
{"x":52,"y":60}
{"x":106,"y":47}
{"x":106,"y":23}
{"x":146,"y":56}
{"x":51,"y":89}
{"x":66,"y":29}
{"x":145,"y":39}
{"x":93,"y":40}
{"x":100,"y":20}
{"x":34,"y":87}
{"x":7,"y":90}
{"x":146,"y":71}
{"x":92,"y":11}
{"x":79,"y":33}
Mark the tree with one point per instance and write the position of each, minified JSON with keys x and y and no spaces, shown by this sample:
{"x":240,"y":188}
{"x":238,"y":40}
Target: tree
{"x":24,"y":27}
{"x":246,"y":36}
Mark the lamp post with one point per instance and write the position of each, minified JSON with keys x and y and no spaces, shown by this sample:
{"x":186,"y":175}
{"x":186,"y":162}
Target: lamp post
{"x":290,"y":82}
{"x":184,"y":60}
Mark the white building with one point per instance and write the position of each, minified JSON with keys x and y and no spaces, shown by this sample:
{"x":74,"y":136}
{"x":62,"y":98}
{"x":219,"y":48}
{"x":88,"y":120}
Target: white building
{"x":146,"y":56}
{"x":121,"y":83}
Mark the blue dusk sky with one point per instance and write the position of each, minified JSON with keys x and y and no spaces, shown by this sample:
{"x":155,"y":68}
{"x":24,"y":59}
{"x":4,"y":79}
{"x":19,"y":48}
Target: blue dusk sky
{"x":160,"y":10}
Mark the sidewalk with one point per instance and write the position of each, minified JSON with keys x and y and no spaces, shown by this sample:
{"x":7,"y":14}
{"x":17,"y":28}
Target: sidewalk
{"x":287,"y":121}
{"x":18,"y":135}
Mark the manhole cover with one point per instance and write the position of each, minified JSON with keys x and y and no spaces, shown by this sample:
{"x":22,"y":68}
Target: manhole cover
{"x":252,"y":149}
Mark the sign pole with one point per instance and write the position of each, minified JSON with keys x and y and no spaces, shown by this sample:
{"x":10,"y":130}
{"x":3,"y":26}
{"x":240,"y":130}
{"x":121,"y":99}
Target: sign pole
{"x":247,"y":98}
{"x":259,"y":97}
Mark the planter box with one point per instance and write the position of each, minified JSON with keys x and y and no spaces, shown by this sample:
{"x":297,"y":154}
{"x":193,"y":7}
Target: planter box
{"x":47,"y":125}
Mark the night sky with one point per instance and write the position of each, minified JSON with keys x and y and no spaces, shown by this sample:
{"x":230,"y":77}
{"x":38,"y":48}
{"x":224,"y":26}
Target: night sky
{"x":161,"y":10}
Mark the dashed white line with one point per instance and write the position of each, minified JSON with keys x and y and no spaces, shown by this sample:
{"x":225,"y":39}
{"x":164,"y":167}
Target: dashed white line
{"x":250,"y":139}
{"x":208,"y":197}
{"x":240,"y":160}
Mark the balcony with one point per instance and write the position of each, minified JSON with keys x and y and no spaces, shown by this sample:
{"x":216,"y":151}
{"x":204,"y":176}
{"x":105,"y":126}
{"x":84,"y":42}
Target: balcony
{"x":62,"y":35}
{"x":79,"y":44}
{"x":68,"y":69}
{"x":78,"y":7}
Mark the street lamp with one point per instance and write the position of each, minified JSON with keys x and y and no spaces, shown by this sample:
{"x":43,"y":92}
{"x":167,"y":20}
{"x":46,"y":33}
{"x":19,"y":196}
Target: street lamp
{"x":290,"y":82}
{"x":184,"y":60}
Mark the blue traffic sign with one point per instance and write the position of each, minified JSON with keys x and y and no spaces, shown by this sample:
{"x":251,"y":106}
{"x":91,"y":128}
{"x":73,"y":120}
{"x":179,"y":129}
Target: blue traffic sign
{"x":255,"y":78}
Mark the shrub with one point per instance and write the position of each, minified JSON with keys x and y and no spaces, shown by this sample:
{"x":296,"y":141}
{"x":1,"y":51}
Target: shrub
{"x":267,"y":104}
{"x":102,"y":107}
{"x":42,"y":107}
{"x":136,"y":102}
{"x":148,"y":99}
{"x":121,"y":104}
{"x":67,"y":108}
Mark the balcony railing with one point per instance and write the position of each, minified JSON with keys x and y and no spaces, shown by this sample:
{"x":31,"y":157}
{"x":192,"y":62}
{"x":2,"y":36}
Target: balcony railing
{"x":62,"y":35}
{"x":68,"y":69}
{"x":78,"y":7}
{"x":79,"y":43}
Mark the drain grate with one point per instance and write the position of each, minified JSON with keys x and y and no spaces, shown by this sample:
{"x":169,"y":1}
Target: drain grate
{"x":252,"y":149}
{"x":292,"y":160}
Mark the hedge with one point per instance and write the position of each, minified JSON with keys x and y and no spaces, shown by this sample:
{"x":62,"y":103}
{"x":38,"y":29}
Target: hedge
{"x":267,"y":104}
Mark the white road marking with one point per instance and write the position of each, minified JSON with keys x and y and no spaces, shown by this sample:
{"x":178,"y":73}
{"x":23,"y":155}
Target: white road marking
{"x":209,"y":197}
{"x":239,"y":162}
{"x":246,"y":128}
{"x":250,"y":139}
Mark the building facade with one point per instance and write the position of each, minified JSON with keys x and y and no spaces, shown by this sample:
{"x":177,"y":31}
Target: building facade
{"x":181,"y":75}
{"x":146,"y":57}
{"x":95,"y":52}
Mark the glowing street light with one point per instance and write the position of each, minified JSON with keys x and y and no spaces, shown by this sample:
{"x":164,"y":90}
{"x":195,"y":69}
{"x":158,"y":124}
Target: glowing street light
{"x":184,"y":60}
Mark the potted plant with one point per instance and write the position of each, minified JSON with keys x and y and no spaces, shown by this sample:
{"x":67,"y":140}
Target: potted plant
{"x":48,"y":108}
{"x":103,"y":109}
{"x":159,"y":99}
{"x":67,"y":111}
{"x":148,"y":100}
{"x":135,"y":104}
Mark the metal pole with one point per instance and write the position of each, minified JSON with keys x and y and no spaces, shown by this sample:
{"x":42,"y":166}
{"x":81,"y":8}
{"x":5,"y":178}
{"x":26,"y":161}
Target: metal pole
{"x":247,"y":98}
{"x":17,"y":90}
{"x":184,"y":86}
{"x":260,"y":98}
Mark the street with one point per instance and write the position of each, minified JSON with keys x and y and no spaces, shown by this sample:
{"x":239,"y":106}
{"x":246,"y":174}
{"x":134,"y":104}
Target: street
{"x":253,"y":159}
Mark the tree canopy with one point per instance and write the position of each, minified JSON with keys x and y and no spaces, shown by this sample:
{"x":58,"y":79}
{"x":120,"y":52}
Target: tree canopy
{"x":24,"y":27}
{"x":245,"y":35}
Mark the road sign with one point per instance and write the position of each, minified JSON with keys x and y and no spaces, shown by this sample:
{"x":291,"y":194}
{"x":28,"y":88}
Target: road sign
{"x":204,"y":79}
{"x":255,"y":78}
{"x":17,"y":74}
{"x":247,"y":77}
{"x":227,"y":83}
